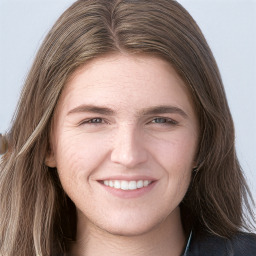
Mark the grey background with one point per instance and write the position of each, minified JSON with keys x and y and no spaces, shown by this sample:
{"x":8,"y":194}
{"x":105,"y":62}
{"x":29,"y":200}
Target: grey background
{"x":229,"y":27}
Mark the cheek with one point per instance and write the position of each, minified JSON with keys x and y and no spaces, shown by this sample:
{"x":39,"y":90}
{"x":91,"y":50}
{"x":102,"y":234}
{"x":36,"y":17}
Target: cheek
{"x":176,"y":157}
{"x":78,"y":155}
{"x":176,"y":152}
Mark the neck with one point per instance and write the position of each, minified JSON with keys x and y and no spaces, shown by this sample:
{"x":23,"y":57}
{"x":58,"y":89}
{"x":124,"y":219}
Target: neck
{"x":167,"y":239}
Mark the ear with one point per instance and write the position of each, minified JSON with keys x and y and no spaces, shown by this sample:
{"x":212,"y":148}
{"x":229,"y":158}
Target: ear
{"x":50,"y":159}
{"x":195,"y":163}
{"x":195,"y":167}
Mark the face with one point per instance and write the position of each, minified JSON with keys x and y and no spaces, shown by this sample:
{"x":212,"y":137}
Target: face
{"x":124,"y":139}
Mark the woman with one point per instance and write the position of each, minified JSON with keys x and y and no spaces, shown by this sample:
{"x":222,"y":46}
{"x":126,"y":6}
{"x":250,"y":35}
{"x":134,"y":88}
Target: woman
{"x":94,"y":167}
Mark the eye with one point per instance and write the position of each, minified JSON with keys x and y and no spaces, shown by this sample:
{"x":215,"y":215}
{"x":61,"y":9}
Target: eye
{"x":96,"y":121}
{"x":163,"y":120}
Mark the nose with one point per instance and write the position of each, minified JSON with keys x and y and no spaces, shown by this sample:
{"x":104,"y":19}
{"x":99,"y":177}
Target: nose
{"x":128,"y":149}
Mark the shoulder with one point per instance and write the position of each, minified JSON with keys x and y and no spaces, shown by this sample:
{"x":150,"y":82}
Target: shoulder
{"x":242,"y":244}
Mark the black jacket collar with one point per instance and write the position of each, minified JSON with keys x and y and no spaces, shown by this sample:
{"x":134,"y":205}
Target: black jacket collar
{"x":242,"y":244}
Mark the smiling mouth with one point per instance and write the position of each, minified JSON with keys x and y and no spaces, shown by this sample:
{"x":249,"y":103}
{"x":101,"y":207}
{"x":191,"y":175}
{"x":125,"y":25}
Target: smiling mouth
{"x":127,"y":185}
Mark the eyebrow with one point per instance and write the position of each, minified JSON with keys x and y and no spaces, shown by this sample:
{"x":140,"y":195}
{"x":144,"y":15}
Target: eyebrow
{"x":155,"y":110}
{"x":92,"y":109}
{"x":164,"y":110}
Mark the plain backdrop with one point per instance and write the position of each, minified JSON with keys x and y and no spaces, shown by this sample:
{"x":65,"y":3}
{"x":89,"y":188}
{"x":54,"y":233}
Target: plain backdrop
{"x":228,"y":25}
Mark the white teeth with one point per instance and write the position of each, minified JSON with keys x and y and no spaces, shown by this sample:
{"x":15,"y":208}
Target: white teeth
{"x":132,"y":185}
{"x":140,"y":184}
{"x":126,"y":185}
{"x":111,"y":183}
{"x":117,"y":184}
{"x":145,"y":183}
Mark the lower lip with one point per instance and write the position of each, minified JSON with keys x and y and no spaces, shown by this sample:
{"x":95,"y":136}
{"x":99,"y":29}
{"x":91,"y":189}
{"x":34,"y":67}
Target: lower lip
{"x":127,"y":194}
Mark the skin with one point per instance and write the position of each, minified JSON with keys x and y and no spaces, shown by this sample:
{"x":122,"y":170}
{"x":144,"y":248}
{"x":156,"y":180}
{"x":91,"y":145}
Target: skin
{"x":130,"y":140}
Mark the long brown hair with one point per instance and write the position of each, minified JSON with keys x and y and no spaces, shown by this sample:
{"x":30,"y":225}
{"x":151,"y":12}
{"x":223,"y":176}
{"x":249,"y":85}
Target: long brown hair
{"x":32,"y":199}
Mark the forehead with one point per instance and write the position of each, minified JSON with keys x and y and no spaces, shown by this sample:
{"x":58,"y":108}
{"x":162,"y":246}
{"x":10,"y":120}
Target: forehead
{"x":127,"y":81}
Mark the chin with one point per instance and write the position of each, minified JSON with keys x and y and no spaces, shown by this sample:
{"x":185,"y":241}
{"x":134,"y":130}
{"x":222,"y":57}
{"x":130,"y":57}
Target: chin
{"x":130,"y":228}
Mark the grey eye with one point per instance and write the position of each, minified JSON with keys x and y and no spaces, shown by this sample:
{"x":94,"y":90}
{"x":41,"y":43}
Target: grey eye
{"x":95,"y":121}
{"x":160,"y":120}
